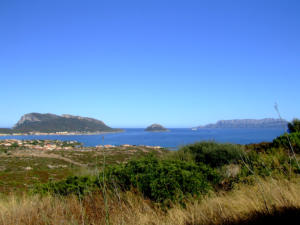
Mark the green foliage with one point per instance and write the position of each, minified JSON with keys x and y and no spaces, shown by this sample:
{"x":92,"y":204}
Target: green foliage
{"x":272,"y":162}
{"x":72,"y":185}
{"x":159,"y":180}
{"x":259,"y":147}
{"x":14,"y":145}
{"x":283,"y":141}
{"x":212,"y":153}
{"x":34,"y":142}
{"x":294,"y":126}
{"x":3,"y":149}
{"x":71,"y":144}
{"x":163,"y":180}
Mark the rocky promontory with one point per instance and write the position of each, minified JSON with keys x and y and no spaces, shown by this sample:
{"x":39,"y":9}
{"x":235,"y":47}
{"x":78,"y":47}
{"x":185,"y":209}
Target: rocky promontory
{"x":64,"y":124}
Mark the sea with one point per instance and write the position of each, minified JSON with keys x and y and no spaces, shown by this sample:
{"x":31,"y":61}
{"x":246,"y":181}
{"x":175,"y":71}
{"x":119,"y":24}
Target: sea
{"x":173,"y":139}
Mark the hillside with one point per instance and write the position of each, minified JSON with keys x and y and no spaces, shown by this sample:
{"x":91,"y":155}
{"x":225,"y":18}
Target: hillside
{"x":248,"y":123}
{"x":51,"y":123}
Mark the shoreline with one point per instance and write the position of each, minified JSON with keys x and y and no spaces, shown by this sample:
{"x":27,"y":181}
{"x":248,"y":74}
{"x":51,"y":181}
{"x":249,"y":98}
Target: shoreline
{"x":49,"y":144}
{"x":61,"y":133}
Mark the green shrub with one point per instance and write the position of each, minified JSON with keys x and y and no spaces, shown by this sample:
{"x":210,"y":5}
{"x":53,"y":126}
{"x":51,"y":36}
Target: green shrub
{"x":35,"y":142}
{"x":2,"y":149}
{"x":294,"y":126}
{"x":14,"y":145}
{"x":163,"y":180}
{"x":72,"y":185}
{"x":213,"y":154}
{"x":259,"y":147}
{"x":283,"y":141}
{"x":159,"y":180}
{"x":274,"y":161}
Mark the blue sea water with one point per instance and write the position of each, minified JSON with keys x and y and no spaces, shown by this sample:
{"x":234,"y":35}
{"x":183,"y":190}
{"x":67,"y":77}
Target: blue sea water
{"x":172,"y":139}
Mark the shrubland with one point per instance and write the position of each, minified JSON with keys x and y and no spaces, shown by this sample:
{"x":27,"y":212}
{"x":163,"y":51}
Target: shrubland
{"x":191,"y":172}
{"x":201,"y":183}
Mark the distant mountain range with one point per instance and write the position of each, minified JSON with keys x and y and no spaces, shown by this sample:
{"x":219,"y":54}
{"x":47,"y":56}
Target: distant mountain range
{"x":51,"y":123}
{"x":247,"y":123}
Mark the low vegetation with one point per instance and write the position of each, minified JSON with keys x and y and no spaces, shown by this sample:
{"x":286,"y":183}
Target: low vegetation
{"x":211,"y":153}
{"x":201,"y":183}
{"x":26,"y":164}
{"x":288,"y":141}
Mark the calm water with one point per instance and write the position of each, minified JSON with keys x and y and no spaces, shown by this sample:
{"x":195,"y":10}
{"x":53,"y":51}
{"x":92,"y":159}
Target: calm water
{"x":173,"y":139}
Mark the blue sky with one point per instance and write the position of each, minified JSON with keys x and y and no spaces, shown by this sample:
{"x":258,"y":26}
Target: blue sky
{"x":133,"y":63}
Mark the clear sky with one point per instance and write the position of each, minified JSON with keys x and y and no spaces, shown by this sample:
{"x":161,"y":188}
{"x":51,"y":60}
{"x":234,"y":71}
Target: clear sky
{"x":132,"y":63}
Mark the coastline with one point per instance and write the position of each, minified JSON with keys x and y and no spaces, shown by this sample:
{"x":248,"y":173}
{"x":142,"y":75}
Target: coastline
{"x":62,"y":133}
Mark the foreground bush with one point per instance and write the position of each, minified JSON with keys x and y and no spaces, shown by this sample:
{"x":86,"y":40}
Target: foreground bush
{"x":212,"y":153}
{"x":283,"y":141}
{"x":72,"y":185}
{"x":161,"y":180}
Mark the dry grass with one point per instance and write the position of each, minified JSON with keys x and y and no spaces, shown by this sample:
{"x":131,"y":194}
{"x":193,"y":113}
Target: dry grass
{"x":270,"y":197}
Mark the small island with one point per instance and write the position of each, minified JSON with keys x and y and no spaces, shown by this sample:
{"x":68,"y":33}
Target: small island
{"x":156,"y":128}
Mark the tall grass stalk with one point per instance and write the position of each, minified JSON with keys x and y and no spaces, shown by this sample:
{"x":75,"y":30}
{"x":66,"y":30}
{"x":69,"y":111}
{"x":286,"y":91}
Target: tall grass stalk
{"x":261,"y":189}
{"x":104,"y":189}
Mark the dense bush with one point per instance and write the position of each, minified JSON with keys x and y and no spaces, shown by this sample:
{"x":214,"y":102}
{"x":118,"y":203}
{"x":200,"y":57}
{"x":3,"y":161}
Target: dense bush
{"x":283,"y":141}
{"x":72,"y":185}
{"x":259,"y":147}
{"x":14,"y":145}
{"x":3,"y":149}
{"x":294,"y":126}
{"x":212,"y":153}
{"x":161,"y":180}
